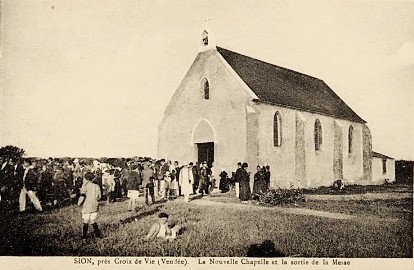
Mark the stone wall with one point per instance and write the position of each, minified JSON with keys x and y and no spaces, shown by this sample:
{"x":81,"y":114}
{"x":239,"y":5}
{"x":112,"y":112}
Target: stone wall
{"x":296,"y":162}
{"x":188,"y":114}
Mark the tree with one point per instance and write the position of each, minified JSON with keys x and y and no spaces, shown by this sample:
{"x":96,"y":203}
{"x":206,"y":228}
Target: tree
{"x":12,"y":152}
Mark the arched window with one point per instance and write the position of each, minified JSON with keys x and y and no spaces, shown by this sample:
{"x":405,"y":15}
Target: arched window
{"x":205,"y":88}
{"x":277,"y":130}
{"x":318,"y":135}
{"x":350,"y":139}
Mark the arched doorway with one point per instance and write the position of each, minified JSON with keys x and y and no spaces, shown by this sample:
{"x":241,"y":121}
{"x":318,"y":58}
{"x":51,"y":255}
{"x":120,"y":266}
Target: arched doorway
{"x":204,"y":141}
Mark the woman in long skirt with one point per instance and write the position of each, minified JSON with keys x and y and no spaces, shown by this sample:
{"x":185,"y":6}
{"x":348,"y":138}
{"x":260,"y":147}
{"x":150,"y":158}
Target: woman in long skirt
{"x":259,"y":185}
{"x":244,"y":184}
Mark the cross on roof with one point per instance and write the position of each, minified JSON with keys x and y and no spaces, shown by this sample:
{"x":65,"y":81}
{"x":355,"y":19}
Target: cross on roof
{"x":205,"y":22}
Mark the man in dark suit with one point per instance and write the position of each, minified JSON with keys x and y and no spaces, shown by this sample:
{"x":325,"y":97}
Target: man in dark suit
{"x":7,"y":179}
{"x":196,"y":175}
{"x":29,"y":183}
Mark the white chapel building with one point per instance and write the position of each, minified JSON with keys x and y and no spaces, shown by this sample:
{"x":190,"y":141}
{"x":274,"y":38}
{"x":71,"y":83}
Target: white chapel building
{"x":230,"y":107}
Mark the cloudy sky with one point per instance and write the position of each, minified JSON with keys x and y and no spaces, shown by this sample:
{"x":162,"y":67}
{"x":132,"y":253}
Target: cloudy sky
{"x":92,"y":78}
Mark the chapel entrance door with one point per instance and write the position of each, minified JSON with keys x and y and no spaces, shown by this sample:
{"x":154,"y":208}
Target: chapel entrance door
{"x":206,"y":152}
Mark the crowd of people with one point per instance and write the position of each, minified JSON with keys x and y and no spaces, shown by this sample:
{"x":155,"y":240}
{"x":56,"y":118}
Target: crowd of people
{"x":240,"y":180}
{"x":56,"y":182}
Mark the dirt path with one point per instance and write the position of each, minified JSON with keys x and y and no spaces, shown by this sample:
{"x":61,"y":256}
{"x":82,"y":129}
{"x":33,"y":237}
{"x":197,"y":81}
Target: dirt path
{"x":296,"y":211}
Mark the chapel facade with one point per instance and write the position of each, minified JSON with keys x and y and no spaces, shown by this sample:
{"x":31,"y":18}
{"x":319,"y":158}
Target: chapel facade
{"x":230,"y":107}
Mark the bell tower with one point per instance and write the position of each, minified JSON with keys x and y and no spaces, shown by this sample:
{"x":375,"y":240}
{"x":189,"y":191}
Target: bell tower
{"x":207,"y":40}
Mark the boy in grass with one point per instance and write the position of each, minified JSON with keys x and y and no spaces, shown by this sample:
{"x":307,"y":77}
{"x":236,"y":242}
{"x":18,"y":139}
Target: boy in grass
{"x":161,"y":229}
{"x":90,"y":193}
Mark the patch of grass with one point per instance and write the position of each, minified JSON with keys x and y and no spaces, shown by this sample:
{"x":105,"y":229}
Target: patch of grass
{"x":209,"y":231}
{"x":359,"y":189}
{"x":228,"y":197}
{"x":400,"y":209}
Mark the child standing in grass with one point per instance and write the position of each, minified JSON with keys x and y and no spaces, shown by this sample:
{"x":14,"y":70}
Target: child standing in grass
{"x":90,"y":193}
{"x":173,"y":184}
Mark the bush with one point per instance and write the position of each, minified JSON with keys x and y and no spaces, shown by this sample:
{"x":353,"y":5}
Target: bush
{"x":280,"y":196}
{"x":12,"y":152}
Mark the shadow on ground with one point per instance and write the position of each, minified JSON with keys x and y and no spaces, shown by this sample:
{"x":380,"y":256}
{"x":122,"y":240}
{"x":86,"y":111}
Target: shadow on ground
{"x":267,"y":249}
{"x":141,"y":215}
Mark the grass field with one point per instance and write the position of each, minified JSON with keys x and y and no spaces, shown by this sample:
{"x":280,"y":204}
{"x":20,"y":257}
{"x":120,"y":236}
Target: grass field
{"x":380,"y":228}
{"x":358,"y":189}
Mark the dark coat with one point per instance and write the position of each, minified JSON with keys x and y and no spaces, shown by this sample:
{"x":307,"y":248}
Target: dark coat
{"x":46,"y":181}
{"x":224,"y":183}
{"x":203,"y":176}
{"x":31,"y":180}
{"x":259,"y":184}
{"x":267,"y":178}
{"x":196,"y":174}
{"x":244,"y":185}
{"x":177,"y":173}
{"x":7,"y":175}
{"x":238,"y":175}
{"x":164,"y":168}
{"x":117,"y":175}
{"x":18,"y":176}
{"x":134,"y":180}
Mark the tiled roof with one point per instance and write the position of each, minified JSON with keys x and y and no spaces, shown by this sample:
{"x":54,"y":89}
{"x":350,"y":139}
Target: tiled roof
{"x":281,"y":86}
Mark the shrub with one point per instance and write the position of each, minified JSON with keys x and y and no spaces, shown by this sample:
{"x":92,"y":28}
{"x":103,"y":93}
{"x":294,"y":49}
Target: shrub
{"x":280,"y":196}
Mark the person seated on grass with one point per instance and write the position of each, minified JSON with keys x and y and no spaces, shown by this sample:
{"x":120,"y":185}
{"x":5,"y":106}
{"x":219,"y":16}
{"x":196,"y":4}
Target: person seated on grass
{"x":161,"y":229}
{"x":338,"y":185}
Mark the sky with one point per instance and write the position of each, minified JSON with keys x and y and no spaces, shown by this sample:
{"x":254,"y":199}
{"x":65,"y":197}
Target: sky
{"x":92,"y":78}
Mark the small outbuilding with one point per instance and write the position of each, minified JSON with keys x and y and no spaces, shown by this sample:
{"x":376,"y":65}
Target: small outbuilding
{"x":383,"y":169}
